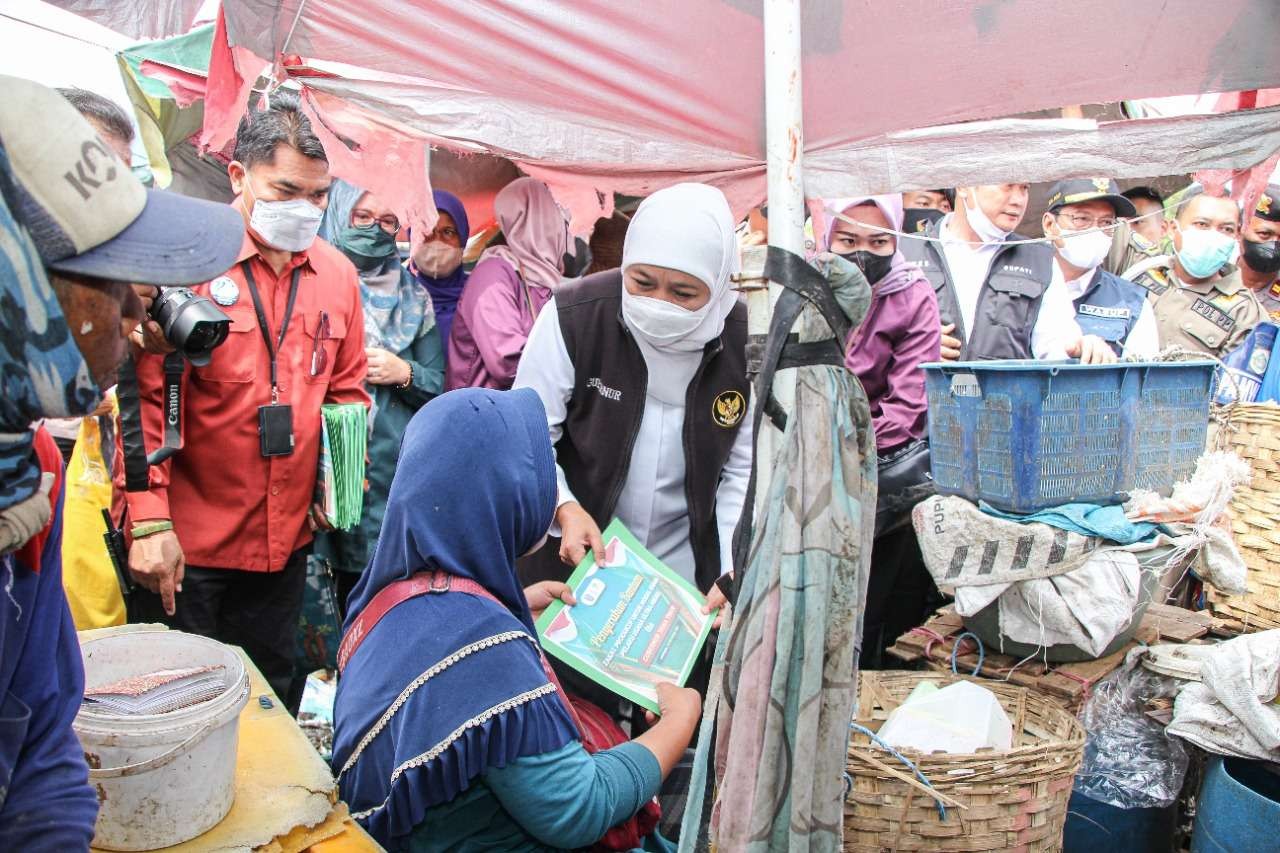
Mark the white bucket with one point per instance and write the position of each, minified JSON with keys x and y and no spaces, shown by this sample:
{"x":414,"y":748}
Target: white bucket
{"x":161,"y":778}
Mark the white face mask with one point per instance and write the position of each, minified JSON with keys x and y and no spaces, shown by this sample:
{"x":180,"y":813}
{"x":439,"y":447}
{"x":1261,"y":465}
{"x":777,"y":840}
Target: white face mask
{"x":290,"y":226}
{"x":982,"y":224}
{"x":437,"y":259}
{"x":663,"y":325}
{"x":1085,"y":250}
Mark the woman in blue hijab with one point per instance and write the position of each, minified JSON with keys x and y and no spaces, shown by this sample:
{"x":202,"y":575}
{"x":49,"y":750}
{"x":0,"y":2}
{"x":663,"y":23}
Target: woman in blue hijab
{"x":406,"y":359}
{"x":437,"y":261}
{"x":449,"y":734}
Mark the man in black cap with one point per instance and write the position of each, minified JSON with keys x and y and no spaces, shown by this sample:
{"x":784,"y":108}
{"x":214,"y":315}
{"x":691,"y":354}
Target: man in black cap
{"x":1081,"y":221}
{"x":1260,"y":251}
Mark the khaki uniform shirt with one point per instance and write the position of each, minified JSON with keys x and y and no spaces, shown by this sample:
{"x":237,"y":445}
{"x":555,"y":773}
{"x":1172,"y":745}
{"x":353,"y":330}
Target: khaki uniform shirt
{"x":1212,"y":317}
{"x":1127,"y":249}
{"x":1270,"y":299}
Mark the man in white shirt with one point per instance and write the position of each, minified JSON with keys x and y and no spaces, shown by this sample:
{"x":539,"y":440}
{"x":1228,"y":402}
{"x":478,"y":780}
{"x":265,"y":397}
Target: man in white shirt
{"x":997,"y":294}
{"x":1081,"y":221}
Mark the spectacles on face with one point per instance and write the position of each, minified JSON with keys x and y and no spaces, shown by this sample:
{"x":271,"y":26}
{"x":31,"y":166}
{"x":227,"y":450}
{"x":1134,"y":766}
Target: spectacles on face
{"x":447,"y":234}
{"x":364,"y":219}
{"x":1083,"y":221}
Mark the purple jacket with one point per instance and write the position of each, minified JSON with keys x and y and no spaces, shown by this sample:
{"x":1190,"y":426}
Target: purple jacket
{"x":490,"y":328}
{"x":901,"y":331}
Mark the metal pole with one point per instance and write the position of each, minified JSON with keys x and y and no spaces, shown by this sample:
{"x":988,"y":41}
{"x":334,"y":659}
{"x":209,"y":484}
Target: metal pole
{"x":784,"y":159}
{"x":784,"y":124}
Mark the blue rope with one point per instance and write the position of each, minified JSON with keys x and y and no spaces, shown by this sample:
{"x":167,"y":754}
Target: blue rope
{"x":942,"y":809}
{"x":982,"y":655}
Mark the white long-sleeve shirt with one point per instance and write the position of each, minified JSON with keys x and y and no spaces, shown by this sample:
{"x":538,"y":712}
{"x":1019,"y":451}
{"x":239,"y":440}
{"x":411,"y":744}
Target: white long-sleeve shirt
{"x":652,"y":505}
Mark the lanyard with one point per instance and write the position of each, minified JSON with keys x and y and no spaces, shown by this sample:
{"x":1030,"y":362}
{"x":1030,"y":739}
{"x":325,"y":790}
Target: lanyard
{"x":272,"y":351}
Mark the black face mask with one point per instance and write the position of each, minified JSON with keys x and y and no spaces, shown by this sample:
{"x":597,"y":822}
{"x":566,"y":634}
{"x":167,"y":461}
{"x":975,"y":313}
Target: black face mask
{"x":1262,"y":257}
{"x":874,"y":267}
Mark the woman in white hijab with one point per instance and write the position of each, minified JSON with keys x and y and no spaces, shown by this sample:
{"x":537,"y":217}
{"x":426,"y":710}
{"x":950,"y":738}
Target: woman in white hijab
{"x":642,"y":371}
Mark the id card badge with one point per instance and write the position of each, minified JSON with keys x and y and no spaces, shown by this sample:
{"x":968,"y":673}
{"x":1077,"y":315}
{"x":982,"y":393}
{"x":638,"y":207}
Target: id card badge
{"x":275,"y":430}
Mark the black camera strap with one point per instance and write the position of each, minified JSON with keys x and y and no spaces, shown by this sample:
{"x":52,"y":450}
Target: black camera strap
{"x":265,"y":328}
{"x":136,"y":459}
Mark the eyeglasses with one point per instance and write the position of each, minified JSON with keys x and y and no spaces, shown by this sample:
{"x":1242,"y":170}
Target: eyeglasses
{"x":319,"y":355}
{"x":1083,"y":221}
{"x":448,"y":234}
{"x":364,"y":219}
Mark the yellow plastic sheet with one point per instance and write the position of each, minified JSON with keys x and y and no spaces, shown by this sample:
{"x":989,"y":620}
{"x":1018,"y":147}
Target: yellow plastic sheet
{"x":87,"y":574}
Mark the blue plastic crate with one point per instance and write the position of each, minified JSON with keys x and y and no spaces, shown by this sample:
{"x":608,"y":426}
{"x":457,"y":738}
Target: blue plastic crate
{"x":1025,"y":435}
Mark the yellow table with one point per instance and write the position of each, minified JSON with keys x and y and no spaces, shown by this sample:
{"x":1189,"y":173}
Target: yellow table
{"x":286,"y":798}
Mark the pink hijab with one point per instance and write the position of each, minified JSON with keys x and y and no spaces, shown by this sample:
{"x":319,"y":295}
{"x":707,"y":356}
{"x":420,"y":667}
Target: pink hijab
{"x":902,"y":273}
{"x":536,"y":231}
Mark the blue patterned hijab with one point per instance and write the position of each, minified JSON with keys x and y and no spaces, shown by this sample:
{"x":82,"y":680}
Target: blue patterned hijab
{"x":42,"y":374}
{"x":396,"y":311}
{"x":471,"y":510}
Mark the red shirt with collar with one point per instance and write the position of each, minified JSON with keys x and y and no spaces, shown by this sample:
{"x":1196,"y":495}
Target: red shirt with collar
{"x":232,"y":507}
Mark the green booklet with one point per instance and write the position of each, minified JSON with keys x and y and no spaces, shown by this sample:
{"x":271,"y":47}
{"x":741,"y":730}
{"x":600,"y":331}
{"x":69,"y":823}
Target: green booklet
{"x":636,"y":624}
{"x":343,"y":445}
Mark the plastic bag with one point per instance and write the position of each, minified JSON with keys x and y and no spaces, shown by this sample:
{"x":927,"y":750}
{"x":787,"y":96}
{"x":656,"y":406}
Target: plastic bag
{"x":1129,"y":763}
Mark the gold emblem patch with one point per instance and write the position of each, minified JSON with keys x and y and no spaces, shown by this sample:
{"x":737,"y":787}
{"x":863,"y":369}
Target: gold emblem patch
{"x":1264,"y":204}
{"x":1101,"y":184}
{"x":728,"y":409}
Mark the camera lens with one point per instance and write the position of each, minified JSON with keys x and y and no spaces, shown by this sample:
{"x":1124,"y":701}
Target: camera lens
{"x":190,"y":322}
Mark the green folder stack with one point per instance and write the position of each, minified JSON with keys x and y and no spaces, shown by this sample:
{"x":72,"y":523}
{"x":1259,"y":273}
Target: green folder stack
{"x":343,"y":445}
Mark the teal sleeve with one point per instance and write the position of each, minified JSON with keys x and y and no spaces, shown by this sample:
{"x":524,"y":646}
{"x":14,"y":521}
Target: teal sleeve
{"x":426,"y":357}
{"x":570,"y":799}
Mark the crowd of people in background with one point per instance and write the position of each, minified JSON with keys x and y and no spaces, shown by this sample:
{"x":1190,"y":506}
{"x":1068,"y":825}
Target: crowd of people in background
{"x":632,"y":401}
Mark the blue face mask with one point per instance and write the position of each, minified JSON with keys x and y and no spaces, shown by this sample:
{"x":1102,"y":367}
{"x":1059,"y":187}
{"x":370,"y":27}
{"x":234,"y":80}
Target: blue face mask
{"x":1204,"y":251}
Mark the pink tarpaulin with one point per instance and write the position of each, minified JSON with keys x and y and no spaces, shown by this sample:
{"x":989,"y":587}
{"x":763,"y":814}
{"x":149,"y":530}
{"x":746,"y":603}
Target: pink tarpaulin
{"x":139,"y":19}
{"x":599,"y":95}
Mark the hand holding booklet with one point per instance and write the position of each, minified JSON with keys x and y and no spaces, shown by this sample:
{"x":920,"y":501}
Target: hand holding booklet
{"x":636,"y":623}
{"x":343,"y":445}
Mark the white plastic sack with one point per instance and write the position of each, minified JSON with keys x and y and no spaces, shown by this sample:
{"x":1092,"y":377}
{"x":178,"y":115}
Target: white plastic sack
{"x":1086,"y":608}
{"x":1233,"y":710}
{"x":960,"y":718}
{"x":965,"y":547}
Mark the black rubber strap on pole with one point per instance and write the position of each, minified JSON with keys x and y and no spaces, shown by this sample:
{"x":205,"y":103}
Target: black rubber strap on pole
{"x":802,"y":285}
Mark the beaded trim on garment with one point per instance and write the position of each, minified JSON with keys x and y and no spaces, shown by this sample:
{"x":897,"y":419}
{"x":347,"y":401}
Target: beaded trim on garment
{"x":435,"y":751}
{"x":427,"y":675}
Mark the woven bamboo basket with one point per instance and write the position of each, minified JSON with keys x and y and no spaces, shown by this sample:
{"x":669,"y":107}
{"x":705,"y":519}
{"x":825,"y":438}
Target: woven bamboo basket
{"x":1253,"y":431}
{"x":1014,"y":800}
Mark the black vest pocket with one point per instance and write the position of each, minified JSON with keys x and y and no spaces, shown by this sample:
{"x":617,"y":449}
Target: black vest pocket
{"x":1007,"y":315}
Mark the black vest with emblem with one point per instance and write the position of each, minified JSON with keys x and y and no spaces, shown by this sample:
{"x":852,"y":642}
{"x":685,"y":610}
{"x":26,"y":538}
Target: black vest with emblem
{"x":1008,"y":303}
{"x":602,"y":422}
{"x":1110,"y":308}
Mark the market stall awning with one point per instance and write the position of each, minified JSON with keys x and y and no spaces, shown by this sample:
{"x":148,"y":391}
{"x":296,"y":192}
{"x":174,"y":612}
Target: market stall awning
{"x":630,"y":97}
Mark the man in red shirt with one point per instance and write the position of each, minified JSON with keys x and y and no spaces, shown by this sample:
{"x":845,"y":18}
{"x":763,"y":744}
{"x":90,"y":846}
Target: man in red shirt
{"x":219,"y":541}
